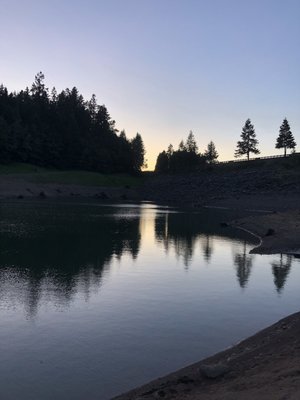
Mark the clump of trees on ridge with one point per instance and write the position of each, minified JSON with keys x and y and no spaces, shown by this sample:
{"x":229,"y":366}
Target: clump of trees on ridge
{"x":63,"y":131}
{"x":187,"y":157}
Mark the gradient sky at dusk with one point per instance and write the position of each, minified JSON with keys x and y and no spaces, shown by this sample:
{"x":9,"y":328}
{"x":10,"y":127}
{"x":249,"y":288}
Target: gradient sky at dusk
{"x":165,"y":67}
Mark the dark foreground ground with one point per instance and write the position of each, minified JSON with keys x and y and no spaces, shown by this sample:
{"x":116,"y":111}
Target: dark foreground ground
{"x":265,"y":366}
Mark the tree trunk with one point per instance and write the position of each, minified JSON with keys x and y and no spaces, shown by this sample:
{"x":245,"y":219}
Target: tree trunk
{"x":248,"y":156}
{"x":284,"y":151}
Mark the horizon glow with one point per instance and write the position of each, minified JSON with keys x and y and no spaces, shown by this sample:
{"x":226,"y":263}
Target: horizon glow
{"x":163,"y":68}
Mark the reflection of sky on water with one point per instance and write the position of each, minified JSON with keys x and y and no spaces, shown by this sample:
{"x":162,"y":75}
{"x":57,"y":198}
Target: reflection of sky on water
{"x":161,"y":231}
{"x":132,"y":292}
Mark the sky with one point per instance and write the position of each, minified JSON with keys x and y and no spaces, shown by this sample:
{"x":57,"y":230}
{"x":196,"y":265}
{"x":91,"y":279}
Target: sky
{"x":165,"y":67}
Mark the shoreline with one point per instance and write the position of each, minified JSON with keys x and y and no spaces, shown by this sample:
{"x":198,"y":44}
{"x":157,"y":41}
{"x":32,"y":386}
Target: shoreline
{"x":274,"y":220}
{"x":264,"y":366}
{"x":247,"y":369}
{"x":279,"y":232}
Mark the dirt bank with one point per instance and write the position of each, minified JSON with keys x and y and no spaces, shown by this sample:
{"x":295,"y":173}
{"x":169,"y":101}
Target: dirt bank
{"x":279,"y":232}
{"x":21,"y":187}
{"x":265,"y":366}
{"x":267,"y":188}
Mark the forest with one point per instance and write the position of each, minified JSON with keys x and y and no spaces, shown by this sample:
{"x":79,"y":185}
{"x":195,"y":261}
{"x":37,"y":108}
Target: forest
{"x":63,"y":131}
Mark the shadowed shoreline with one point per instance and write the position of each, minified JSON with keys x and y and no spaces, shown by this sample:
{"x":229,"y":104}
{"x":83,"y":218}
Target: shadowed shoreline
{"x":264,"y":366}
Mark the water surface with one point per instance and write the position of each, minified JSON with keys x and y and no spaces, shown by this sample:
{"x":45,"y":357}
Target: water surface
{"x":96,"y":299}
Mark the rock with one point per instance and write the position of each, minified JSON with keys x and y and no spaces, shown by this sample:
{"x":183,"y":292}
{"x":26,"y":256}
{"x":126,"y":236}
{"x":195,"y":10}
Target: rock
{"x":20,"y":196}
{"x":102,"y":196}
{"x":185,"y":380}
{"x":42,"y":195}
{"x":214,"y":371}
{"x":224,"y":225}
{"x":270,"y":232}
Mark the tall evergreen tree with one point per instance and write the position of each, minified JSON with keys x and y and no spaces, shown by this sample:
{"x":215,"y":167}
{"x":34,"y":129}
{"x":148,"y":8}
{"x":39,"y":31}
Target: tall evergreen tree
{"x":249,"y":143}
{"x":211,"y":153}
{"x":139,"y":152}
{"x":170,"y":150}
{"x":181,"y":146}
{"x":191,"y":145}
{"x":162,"y":162}
{"x":285,"y":139}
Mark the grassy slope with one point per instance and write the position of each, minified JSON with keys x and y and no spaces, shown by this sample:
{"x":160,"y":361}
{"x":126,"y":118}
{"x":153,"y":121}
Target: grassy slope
{"x":36,"y":174}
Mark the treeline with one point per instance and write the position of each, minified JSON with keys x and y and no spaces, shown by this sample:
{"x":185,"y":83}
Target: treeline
{"x":63,"y":131}
{"x":187,"y":157}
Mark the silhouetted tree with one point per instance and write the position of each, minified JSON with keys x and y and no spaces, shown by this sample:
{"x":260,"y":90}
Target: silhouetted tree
{"x":181,"y":146}
{"x":211,"y":153}
{"x":249,"y":143}
{"x":138,"y":152}
{"x":162,"y":162}
{"x":191,"y":145}
{"x":285,"y":139}
{"x":170,"y":151}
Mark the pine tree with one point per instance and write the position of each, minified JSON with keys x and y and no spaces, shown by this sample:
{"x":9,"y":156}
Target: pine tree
{"x":181,"y":146}
{"x":162,"y":162}
{"x":138,"y":150}
{"x":211,"y":153}
{"x":191,"y":145}
{"x":285,"y":139}
{"x":248,"y":143}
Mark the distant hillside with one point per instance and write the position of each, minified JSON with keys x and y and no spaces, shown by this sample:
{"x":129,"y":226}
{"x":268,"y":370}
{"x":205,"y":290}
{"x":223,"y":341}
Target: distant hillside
{"x":237,"y":182}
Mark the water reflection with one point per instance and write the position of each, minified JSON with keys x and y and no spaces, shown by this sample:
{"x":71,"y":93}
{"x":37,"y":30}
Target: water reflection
{"x":182,"y":232}
{"x":55,"y":251}
{"x":281,"y":270}
{"x":207,"y":248}
{"x":178,"y":232}
{"x":243,"y":262}
{"x":90,"y":295}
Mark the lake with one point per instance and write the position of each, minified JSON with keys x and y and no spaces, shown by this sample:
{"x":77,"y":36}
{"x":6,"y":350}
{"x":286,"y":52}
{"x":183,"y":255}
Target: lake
{"x":96,"y":299}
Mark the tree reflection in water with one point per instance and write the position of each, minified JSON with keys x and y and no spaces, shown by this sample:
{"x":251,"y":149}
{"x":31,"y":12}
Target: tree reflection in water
{"x":56,"y":253}
{"x":243,"y":262}
{"x":280,"y":270}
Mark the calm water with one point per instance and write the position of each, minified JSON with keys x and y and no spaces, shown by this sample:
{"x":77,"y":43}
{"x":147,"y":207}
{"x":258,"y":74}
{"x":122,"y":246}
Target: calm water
{"x":95,"y":300}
